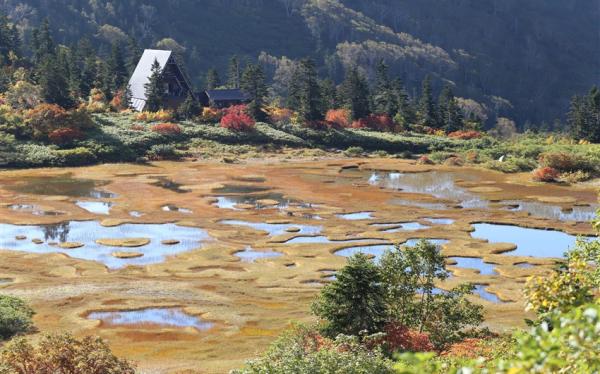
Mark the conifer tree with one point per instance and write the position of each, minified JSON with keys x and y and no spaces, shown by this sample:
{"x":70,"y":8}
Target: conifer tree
{"x":355,"y":301}
{"x":306,"y":94}
{"x":134,"y":52}
{"x":42,"y":42}
{"x":212,"y":79}
{"x":155,"y":88}
{"x":53,"y":83}
{"x":253,"y":86}
{"x":584,"y":116}
{"x":117,"y":68}
{"x":354,"y":92}
{"x":384,"y":100}
{"x":449,"y":114}
{"x":233,"y":75}
{"x":189,"y":108}
{"x":329,"y":98}
{"x":406,"y":112}
{"x":427,"y":110}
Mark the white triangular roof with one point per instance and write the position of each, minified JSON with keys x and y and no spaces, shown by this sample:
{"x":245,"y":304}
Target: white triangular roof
{"x":142,"y":73}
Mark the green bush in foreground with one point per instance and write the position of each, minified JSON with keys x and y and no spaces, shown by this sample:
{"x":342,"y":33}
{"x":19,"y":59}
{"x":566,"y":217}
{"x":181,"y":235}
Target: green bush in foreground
{"x":15,"y":317}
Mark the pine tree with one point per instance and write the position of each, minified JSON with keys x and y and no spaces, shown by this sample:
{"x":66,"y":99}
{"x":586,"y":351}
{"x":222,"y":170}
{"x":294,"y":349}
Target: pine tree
{"x":584,"y":116}
{"x":42,"y":42}
{"x":212,"y":79}
{"x":406,"y":111}
{"x":384,"y":100}
{"x":427,"y":110}
{"x":253,"y":85}
{"x":53,"y":83}
{"x":355,"y":301}
{"x":117,"y":68}
{"x":189,"y":108}
{"x":155,"y":89}
{"x":354,"y":93}
{"x":134,"y":52}
{"x":306,"y":93}
{"x":328,"y":95}
{"x":233,"y":75}
{"x":449,"y":114}
{"x":127,"y":97}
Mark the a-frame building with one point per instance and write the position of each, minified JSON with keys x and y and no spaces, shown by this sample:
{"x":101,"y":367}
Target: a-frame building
{"x":176,"y":84}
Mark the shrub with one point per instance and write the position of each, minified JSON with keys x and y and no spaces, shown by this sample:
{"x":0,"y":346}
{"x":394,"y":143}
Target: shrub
{"x":159,"y":116}
{"x":338,"y":117}
{"x":545,"y":174}
{"x":235,"y":118}
{"x":45,"y":118}
{"x":24,"y":95}
{"x":354,"y":151}
{"x":55,"y":354}
{"x":211,"y":115}
{"x":302,"y":350}
{"x":465,"y":135}
{"x":375,"y":122}
{"x":162,"y":152}
{"x":400,"y":338}
{"x":15,"y":317}
{"x":454,"y":161}
{"x":280,"y":115}
{"x":167,"y":129}
{"x":512,"y":165}
{"x":65,"y":135}
{"x":74,"y":157}
{"x":572,"y":177}
{"x":564,"y":162}
{"x":424,"y":160}
{"x":138,"y":127}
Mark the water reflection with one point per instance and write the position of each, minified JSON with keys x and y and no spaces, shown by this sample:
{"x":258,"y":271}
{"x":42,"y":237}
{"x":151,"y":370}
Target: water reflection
{"x":62,"y":185}
{"x":161,"y":317}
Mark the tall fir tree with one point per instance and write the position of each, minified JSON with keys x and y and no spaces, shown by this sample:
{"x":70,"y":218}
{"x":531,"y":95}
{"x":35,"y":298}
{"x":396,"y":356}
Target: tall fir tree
{"x":354,"y":93}
{"x":42,"y":42}
{"x":584,"y":116}
{"x":329,"y":98}
{"x":189,"y":108}
{"x":307,"y":94}
{"x":427,"y":108}
{"x":254,"y":87}
{"x":383,"y":98}
{"x":117,"y":68}
{"x":155,"y":88}
{"x":134,"y":52}
{"x":406,"y":115}
{"x":233,"y":73}
{"x":449,"y":114}
{"x":212,"y":79}
{"x":54,"y":83}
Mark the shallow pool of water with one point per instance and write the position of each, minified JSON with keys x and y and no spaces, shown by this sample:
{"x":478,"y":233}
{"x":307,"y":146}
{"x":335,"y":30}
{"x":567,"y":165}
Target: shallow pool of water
{"x":398,"y":227}
{"x":321,"y":239}
{"x":240,"y":189}
{"x":374,"y":250}
{"x":274,"y":229}
{"x":543,"y":210}
{"x":87,"y":232}
{"x":356,"y":216}
{"x":250,"y":255}
{"x":414,"y":242}
{"x":63,"y":186}
{"x":481,"y":292}
{"x":168,"y":184}
{"x":475,"y":263}
{"x":96,"y":207}
{"x":419,"y":204}
{"x":260,"y":201}
{"x":34,"y":209}
{"x":436,"y":183}
{"x":529,"y":242}
{"x":440,"y":221}
{"x":174,"y":208}
{"x":160,"y":317}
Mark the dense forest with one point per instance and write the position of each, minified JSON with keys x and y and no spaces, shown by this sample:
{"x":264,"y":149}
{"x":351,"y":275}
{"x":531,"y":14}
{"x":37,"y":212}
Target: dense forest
{"x":523,"y":61}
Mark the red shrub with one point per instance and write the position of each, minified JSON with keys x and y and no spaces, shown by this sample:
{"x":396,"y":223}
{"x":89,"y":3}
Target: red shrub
{"x":138,"y":127}
{"x":65,"y":135}
{"x":424,"y":160}
{"x":167,"y":128}
{"x":45,"y":118}
{"x":236,"y":119}
{"x":377,"y":122}
{"x":401,"y":338}
{"x":338,"y":118}
{"x":465,"y":135}
{"x":545,"y":174}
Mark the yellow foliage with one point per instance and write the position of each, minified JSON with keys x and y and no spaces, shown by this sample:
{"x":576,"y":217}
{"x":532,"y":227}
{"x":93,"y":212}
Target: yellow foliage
{"x":439,"y":132}
{"x":211,"y":115}
{"x":550,"y":140}
{"x":160,"y":116}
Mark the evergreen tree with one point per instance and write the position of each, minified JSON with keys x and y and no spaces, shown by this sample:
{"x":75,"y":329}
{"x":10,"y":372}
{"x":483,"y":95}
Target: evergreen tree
{"x":328,"y":95}
{"x":127,"y":97}
{"x":355,"y":301}
{"x":406,"y":112}
{"x":189,"y":108}
{"x":427,"y":112}
{"x":42,"y":42}
{"x":134,"y":52}
{"x":9,"y":40}
{"x":584,"y":116}
{"x":233,"y":75}
{"x":75,"y":76}
{"x":384,"y":99}
{"x":53,"y":83}
{"x":449,"y":114}
{"x":306,"y":93}
{"x":117,"y":68}
{"x":253,"y":85}
{"x":212,"y":79}
{"x":155,"y":88}
{"x":354,"y":94}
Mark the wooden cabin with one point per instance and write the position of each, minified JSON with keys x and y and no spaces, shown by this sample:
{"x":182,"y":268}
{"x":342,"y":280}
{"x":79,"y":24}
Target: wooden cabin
{"x":176,"y":84}
{"x":223,"y":98}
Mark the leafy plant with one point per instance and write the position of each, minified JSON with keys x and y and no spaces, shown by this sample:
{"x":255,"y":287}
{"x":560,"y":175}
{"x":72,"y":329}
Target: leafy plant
{"x":15,"y":317}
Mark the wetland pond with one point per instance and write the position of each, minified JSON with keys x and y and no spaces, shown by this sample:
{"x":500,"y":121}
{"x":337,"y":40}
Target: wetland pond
{"x":78,"y":239}
{"x":151,"y":317}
